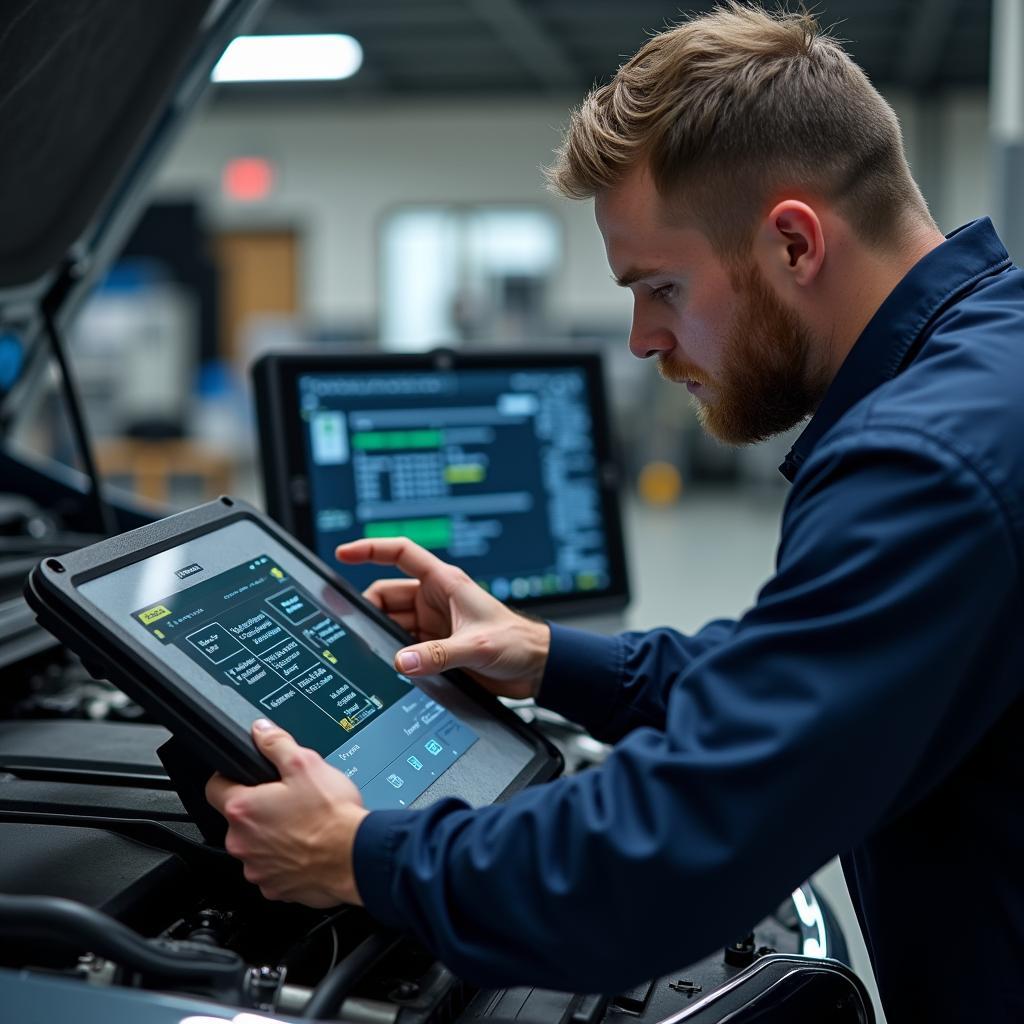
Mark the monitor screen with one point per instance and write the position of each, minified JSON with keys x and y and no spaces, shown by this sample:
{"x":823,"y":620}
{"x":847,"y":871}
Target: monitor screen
{"x":501,"y":469}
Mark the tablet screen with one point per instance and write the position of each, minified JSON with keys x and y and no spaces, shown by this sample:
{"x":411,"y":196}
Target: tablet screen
{"x":271,"y":631}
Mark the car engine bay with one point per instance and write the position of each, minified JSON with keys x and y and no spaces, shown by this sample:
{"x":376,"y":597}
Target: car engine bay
{"x":108,"y":885}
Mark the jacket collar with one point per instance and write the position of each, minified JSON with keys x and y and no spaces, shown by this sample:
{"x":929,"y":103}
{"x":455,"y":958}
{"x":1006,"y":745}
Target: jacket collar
{"x":891,"y":339}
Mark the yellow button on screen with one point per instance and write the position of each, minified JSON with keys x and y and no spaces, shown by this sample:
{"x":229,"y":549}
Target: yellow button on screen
{"x":153,"y":614}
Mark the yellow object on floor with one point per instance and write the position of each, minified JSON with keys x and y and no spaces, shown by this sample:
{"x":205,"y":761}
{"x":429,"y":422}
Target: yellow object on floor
{"x":660,"y":483}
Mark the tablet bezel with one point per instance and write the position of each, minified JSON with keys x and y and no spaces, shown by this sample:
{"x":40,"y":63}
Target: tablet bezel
{"x":110,"y":650}
{"x":285,"y":473}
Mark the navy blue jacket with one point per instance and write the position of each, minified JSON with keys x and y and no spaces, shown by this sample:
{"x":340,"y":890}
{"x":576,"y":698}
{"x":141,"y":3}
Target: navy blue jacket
{"x":869,"y":704}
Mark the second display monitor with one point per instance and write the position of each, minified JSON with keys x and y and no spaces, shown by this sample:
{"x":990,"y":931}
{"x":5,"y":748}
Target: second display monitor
{"x":499,"y":465}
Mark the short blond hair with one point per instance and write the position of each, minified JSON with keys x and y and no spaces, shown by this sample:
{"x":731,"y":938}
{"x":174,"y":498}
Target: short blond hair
{"x":731,"y":107}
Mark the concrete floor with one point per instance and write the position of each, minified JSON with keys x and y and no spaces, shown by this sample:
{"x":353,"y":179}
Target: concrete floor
{"x":706,"y":558}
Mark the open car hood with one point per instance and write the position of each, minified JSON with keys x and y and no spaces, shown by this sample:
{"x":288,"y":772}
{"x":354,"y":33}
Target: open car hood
{"x":91,"y":95}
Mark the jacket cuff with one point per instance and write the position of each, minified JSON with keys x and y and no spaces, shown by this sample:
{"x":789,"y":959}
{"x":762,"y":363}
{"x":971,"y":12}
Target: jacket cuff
{"x":373,"y":861}
{"x":583,"y":676}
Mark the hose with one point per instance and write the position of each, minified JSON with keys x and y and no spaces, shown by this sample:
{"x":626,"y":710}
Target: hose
{"x":65,"y":922}
{"x":338,"y":982}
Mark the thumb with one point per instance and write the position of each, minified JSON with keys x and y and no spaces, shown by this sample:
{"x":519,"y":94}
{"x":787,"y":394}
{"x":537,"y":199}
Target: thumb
{"x":276,"y":744}
{"x":438,"y":655}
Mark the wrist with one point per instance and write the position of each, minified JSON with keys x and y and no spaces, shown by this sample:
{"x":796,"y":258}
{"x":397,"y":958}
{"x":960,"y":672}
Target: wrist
{"x":537,"y":644}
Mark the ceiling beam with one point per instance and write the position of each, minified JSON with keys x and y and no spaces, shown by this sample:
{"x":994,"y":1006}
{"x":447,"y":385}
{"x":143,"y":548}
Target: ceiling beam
{"x":919,"y":60}
{"x":534,"y":47}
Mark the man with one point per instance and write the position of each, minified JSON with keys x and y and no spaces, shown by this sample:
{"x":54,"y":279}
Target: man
{"x":752,"y":192}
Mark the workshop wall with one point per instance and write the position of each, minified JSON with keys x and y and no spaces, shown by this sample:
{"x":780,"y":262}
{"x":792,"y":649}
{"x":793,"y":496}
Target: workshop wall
{"x":964,"y":154}
{"x":340,"y":170}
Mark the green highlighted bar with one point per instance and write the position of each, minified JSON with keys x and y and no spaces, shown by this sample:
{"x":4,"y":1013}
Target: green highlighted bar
{"x":388,"y":440}
{"x":428,"y":533}
{"x":464,"y":473}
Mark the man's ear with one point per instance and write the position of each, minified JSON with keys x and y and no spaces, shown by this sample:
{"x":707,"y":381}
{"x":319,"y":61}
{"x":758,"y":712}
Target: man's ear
{"x":790,"y":245}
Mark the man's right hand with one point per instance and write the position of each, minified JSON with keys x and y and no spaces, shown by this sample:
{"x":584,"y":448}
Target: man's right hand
{"x":457,"y":623}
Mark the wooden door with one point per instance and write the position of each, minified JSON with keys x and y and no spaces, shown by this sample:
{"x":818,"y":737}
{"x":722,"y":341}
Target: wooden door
{"x":258,"y":275}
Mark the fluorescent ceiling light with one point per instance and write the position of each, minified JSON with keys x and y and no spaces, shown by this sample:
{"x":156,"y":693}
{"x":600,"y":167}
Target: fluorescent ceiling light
{"x":289,"y":59}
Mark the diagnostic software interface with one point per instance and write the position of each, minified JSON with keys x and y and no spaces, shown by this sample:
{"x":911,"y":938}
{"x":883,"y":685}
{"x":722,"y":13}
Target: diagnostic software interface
{"x":494,"y":470}
{"x":259,"y":632}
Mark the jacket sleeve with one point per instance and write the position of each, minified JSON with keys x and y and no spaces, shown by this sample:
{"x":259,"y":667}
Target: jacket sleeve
{"x":612,"y":685}
{"x":860,"y":678}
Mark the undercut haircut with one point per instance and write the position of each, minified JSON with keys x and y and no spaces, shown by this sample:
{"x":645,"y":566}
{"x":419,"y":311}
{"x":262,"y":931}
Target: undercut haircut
{"x":732,"y":109}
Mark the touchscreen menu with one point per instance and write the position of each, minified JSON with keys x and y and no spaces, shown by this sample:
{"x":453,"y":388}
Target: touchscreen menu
{"x":255,"y":629}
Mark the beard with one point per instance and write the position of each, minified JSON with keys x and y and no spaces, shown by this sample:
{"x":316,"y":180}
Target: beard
{"x":768,"y":382}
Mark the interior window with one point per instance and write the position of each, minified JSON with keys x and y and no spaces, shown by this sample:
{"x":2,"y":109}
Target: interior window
{"x":452,"y":274}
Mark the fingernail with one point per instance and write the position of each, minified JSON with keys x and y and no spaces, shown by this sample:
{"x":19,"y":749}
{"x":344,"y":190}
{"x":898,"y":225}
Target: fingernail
{"x":409,"y":661}
{"x":262,"y":725}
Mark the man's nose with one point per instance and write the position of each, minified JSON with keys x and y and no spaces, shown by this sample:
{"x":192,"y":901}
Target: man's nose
{"x":646,"y":339}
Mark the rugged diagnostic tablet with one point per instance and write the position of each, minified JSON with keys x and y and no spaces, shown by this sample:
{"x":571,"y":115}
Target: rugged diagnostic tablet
{"x":214,"y":617}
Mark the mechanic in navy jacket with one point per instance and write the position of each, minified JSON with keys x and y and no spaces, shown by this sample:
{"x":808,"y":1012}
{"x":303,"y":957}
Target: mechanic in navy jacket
{"x":752,"y":193}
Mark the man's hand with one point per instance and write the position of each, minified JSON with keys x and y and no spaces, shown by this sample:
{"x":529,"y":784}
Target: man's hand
{"x":458,"y":624}
{"x":294,"y":836}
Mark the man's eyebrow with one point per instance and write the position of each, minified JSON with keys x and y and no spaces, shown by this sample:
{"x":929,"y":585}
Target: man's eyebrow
{"x":635,"y":274}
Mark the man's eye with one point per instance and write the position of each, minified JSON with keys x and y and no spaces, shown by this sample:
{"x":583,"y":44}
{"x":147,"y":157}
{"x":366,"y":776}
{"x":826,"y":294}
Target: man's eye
{"x":665,"y":293}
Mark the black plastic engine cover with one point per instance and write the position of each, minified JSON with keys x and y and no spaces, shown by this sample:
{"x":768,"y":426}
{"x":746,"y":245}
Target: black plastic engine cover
{"x":55,"y":797}
{"x":132,"y":882}
{"x":78,"y":751}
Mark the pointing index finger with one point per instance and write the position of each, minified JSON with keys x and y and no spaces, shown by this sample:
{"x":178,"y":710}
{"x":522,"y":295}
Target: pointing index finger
{"x":398,"y":551}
